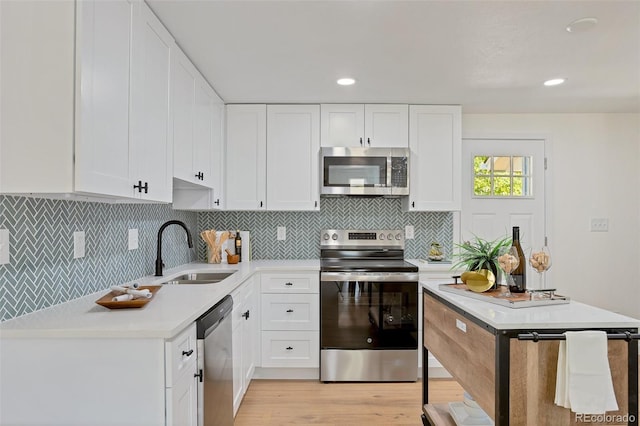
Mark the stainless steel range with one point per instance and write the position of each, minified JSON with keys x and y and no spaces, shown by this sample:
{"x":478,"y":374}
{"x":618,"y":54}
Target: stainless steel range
{"x":368,"y":307}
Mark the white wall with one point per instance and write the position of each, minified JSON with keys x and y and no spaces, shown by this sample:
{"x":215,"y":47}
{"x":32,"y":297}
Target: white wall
{"x":595,"y":162}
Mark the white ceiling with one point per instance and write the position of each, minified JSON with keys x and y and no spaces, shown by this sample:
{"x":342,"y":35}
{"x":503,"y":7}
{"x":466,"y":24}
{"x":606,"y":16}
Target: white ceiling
{"x":488,"y":56}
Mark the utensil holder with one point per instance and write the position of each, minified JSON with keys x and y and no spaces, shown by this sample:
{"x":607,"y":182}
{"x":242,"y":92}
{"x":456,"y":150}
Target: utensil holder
{"x":214,"y":255}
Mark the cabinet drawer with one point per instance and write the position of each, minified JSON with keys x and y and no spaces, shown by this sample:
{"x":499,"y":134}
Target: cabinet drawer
{"x":290,"y":349}
{"x":180,"y":355}
{"x":306,"y":282}
{"x":290,"y":312}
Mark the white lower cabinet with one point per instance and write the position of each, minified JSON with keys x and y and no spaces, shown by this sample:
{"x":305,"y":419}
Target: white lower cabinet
{"x":290,"y":303}
{"x":245,"y":341}
{"x":107,"y":380}
{"x":181,"y":379}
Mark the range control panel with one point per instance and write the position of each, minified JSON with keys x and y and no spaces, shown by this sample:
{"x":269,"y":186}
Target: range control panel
{"x":350,"y":237}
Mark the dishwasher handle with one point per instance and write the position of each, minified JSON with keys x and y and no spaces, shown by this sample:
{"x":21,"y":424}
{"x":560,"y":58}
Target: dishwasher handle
{"x":210,"y":319}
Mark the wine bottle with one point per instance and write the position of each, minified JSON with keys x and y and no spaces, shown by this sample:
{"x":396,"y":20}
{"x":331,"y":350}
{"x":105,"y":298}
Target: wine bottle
{"x":238,"y":246}
{"x":520,"y":273}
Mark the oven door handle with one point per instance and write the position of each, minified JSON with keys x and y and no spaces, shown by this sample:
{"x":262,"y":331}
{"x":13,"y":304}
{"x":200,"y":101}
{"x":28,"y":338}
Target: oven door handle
{"x":369,"y":276}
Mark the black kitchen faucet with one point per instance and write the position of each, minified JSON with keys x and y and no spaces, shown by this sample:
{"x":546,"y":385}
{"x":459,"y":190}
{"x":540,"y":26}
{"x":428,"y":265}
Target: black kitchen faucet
{"x":159,"y":264}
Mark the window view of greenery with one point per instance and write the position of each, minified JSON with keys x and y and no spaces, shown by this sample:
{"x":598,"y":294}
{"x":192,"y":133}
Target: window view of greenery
{"x":501,"y":176}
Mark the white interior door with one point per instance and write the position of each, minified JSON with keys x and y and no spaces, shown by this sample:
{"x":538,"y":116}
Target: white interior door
{"x":505,"y":188}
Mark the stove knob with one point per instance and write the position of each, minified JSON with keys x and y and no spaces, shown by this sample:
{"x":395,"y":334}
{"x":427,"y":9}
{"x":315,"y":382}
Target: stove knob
{"x":398,"y":237}
{"x":325,"y":237}
{"x":382,"y":236}
{"x":390,"y":237}
{"x":334,"y":237}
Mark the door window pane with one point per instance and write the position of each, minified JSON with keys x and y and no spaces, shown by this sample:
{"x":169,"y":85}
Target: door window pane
{"x":502,"y":176}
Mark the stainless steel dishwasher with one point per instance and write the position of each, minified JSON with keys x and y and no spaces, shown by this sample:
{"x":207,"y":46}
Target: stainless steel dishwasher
{"x":215,"y":364}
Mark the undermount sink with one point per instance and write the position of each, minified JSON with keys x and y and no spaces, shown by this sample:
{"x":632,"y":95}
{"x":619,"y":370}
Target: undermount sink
{"x":200,"y":278}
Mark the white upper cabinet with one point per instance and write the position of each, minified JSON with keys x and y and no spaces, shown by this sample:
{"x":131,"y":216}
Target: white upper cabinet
{"x":97,"y":121}
{"x":293,"y":143}
{"x":246,"y":155}
{"x":103,"y":69}
{"x":151,"y":118}
{"x":435,"y":163}
{"x":193,"y":132}
{"x":370,"y":125}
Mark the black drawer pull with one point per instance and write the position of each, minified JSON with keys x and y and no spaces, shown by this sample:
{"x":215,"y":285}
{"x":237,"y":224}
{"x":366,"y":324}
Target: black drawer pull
{"x":246,"y":315}
{"x":288,"y":284}
{"x":289,"y":310}
{"x":187,"y":353}
{"x":289,"y":348}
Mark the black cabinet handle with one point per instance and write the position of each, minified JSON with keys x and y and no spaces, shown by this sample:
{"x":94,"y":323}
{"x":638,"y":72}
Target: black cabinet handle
{"x":199,"y":375}
{"x":260,"y":203}
{"x":360,"y":141}
{"x":289,"y":310}
{"x":200,"y":176}
{"x":316,"y":204}
{"x":289,"y":348}
{"x":413,"y":204}
{"x":246,"y":315}
{"x":369,"y":141}
{"x":289,"y":284}
{"x":140,"y":186}
{"x":187,"y":353}
{"x":217,"y":202}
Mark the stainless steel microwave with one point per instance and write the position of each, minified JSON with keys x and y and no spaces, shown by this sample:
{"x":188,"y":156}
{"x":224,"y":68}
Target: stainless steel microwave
{"x":364,"y":171}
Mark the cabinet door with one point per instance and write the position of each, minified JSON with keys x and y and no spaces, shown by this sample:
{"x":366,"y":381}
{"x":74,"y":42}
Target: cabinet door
{"x":218,"y":166}
{"x":435,"y":162}
{"x":342,"y":125}
{"x":103,"y":54}
{"x":183,"y":104}
{"x":151,"y":133}
{"x":250,"y":339}
{"x":236,"y":349}
{"x":293,"y":134}
{"x":202,"y":133}
{"x":386,"y":126}
{"x":246,"y":157}
{"x":182,"y":402}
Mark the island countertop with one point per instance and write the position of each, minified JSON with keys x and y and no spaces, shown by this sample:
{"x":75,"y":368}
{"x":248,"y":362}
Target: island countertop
{"x":573,"y":315}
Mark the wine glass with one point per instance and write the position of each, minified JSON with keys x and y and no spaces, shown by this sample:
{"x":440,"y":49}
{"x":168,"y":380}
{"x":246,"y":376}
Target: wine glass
{"x":509,"y":261}
{"x":540,"y":261}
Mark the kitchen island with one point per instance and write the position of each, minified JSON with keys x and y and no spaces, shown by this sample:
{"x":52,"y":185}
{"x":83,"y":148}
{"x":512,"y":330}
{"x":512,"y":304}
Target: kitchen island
{"x":513,"y":380}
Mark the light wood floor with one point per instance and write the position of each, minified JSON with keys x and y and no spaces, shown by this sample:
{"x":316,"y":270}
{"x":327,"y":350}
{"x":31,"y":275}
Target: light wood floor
{"x":301,"y":402}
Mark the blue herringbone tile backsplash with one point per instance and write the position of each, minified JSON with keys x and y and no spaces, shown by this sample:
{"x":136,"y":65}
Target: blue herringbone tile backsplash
{"x":303,"y":228}
{"x":42,"y":271}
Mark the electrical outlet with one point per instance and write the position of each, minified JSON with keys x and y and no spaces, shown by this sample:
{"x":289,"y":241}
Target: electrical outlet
{"x":78,"y":244}
{"x":133,"y":239}
{"x":282,"y":233}
{"x":409,"y":233}
{"x":599,"y":224}
{"x":4,"y":246}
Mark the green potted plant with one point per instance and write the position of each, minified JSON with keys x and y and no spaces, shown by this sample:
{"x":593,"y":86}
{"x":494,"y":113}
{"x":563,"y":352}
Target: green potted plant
{"x":481,"y":254}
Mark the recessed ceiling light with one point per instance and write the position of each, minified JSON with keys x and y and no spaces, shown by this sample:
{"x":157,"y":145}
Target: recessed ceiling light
{"x":555,"y":81}
{"x":346,"y":81}
{"x":582,"y":24}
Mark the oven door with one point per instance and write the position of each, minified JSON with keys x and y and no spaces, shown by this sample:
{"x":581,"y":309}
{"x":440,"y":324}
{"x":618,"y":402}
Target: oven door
{"x":368,"y":310}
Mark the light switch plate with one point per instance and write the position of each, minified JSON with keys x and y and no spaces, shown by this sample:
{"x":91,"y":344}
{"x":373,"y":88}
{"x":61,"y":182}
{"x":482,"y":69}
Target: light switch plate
{"x":133,"y":239}
{"x":4,"y":246}
{"x":282,"y":233}
{"x":78,"y":244}
{"x":409,"y":233}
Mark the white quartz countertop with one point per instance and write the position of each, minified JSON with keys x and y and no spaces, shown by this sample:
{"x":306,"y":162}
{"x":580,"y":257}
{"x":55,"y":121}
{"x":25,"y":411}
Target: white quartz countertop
{"x":170,"y":311}
{"x":573,"y":315}
{"x":441,"y":268}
